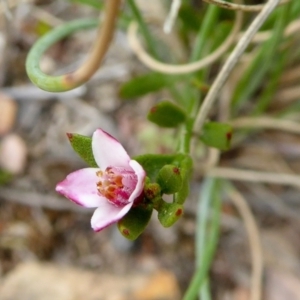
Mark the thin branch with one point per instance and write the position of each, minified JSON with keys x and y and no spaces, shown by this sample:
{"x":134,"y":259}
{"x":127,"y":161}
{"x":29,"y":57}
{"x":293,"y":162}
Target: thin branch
{"x":156,"y":65}
{"x":254,"y":241}
{"x":255,"y":176}
{"x":245,"y":8}
{"x":230,"y":63}
{"x":103,"y":40}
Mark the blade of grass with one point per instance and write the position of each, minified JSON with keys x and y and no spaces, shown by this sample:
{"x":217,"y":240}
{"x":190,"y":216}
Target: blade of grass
{"x":207,"y":236}
{"x":260,"y":65}
{"x":205,"y":291}
{"x":143,"y":27}
{"x":152,"y":46}
{"x":205,"y":29}
{"x":276,"y":71}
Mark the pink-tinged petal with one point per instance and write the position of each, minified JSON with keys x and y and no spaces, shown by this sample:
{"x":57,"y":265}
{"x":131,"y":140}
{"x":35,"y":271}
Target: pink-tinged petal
{"x":141,"y":174}
{"x":81,"y":188}
{"x":108,"y":151}
{"x":107,"y":214}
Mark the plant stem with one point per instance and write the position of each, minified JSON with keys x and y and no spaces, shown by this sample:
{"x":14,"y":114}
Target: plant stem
{"x":230,"y":63}
{"x":143,"y":27}
{"x":72,"y":80}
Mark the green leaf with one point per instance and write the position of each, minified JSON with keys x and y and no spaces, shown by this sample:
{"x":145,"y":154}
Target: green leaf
{"x":142,"y":85}
{"x":169,"y":213}
{"x":217,"y":135}
{"x":166,"y":114}
{"x":135,"y":222}
{"x":169,"y":178}
{"x":152,"y":163}
{"x":83,"y":147}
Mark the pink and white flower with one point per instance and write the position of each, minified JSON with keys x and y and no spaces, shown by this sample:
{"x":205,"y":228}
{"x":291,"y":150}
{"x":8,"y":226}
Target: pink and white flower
{"x":112,"y":188}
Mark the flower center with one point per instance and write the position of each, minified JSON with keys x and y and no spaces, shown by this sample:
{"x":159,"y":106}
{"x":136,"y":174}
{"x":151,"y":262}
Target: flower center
{"x":116,"y":184}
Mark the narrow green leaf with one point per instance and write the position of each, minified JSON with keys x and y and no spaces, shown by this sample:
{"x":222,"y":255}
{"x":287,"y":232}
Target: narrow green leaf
{"x":166,"y":114}
{"x":135,"y":222}
{"x":208,"y":231}
{"x":143,"y":84}
{"x":83,"y":147}
{"x":217,"y":135}
{"x":262,"y":64}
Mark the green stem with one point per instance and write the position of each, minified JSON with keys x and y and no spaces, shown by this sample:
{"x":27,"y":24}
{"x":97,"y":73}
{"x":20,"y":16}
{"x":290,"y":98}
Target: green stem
{"x":42,"y":80}
{"x":205,"y":246}
{"x":143,"y":27}
{"x":207,"y":26}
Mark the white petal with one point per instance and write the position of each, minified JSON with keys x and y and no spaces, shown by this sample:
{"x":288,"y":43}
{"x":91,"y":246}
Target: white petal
{"x":108,"y":151}
{"x":141,"y":174}
{"x":107,"y":214}
{"x":81,"y":188}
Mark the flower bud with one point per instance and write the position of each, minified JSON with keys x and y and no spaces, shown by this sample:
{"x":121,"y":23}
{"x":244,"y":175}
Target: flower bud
{"x":152,"y":190}
{"x":169,"y":213}
{"x":169,"y":179}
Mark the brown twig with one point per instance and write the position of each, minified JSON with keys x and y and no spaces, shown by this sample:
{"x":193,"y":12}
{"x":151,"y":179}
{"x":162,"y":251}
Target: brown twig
{"x":245,"y":8}
{"x":103,"y":40}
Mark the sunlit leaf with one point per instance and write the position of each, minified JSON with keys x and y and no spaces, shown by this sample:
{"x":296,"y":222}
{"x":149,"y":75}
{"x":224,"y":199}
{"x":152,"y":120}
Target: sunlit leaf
{"x":83,"y":147}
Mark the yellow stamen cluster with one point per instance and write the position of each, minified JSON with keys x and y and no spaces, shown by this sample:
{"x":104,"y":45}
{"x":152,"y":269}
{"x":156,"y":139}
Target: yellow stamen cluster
{"x":109,"y":183}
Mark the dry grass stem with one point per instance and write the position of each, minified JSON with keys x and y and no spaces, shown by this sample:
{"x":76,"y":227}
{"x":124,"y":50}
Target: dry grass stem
{"x":255,"y":176}
{"x":172,"y":16}
{"x":156,"y":65}
{"x":262,"y":36}
{"x":255,"y":243}
{"x":266,"y":123}
{"x":288,"y":95}
{"x":230,"y":64}
{"x":246,"y":8}
{"x":211,"y":160}
{"x":103,"y":40}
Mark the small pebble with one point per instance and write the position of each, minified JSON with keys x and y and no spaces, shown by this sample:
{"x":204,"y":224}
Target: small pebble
{"x":13,"y":154}
{"x":8,"y":112}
